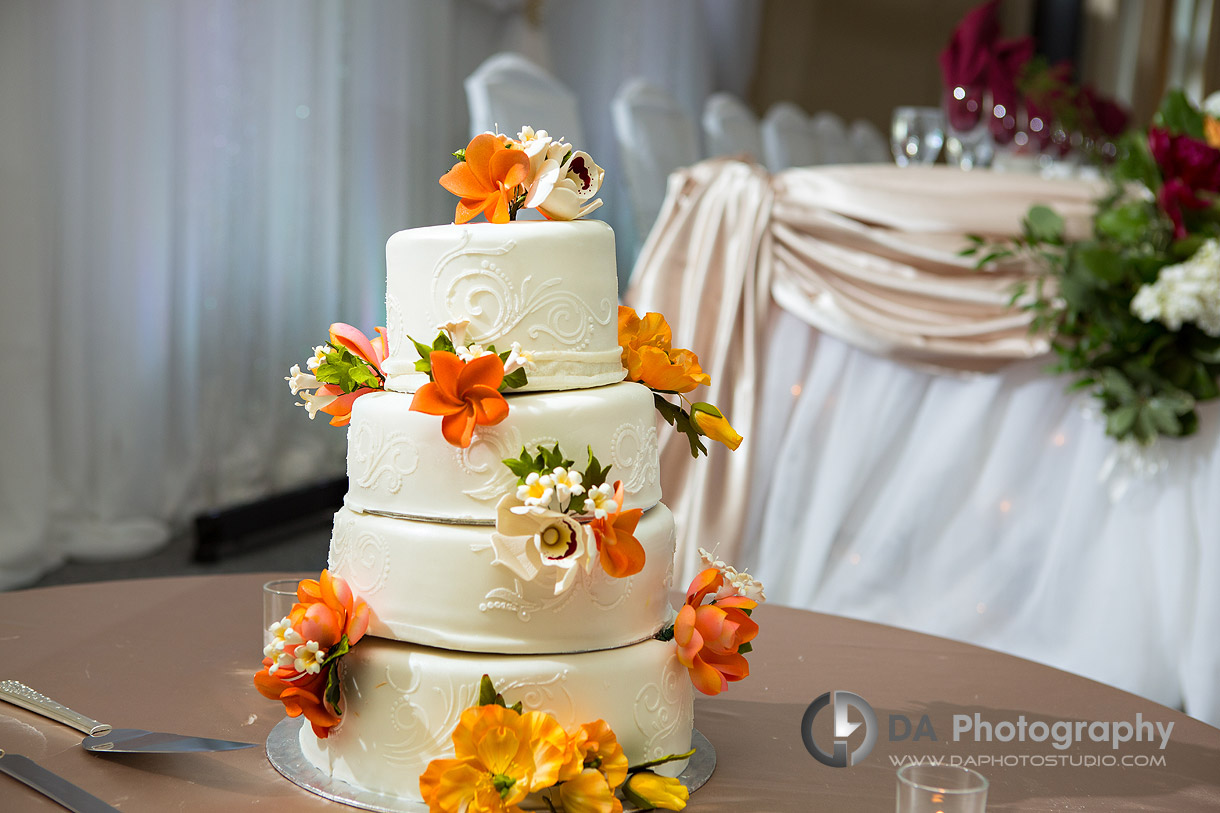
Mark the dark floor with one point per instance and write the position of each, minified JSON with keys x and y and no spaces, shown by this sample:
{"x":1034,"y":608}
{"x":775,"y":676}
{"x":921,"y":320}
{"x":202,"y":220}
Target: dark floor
{"x":301,"y":547}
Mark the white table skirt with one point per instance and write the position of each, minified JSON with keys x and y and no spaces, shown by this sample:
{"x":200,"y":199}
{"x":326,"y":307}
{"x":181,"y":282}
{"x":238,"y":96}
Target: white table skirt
{"x":970,"y":507}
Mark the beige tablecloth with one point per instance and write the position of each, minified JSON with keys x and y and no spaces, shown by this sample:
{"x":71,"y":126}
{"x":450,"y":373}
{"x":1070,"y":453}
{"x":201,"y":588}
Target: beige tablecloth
{"x":178,"y":655}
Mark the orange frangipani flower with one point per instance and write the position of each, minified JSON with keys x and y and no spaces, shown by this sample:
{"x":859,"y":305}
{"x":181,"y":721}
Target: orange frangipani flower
{"x":487,"y":181}
{"x":465,"y":395}
{"x":709,"y":635}
{"x":621,"y":554}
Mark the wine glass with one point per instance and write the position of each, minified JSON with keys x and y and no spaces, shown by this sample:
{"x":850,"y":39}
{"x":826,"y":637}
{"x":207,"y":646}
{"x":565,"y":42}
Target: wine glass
{"x":916,"y":135}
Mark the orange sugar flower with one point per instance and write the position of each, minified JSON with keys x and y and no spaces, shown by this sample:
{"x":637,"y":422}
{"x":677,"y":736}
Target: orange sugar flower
{"x":501,"y":757}
{"x":303,"y":694}
{"x":621,"y":554}
{"x":635,"y":333}
{"x":649,"y":358}
{"x":326,"y":610}
{"x":709,"y":635}
{"x":465,"y":394}
{"x":374,"y":351}
{"x":594,"y":745}
{"x":488,"y":180}
{"x":589,"y":792}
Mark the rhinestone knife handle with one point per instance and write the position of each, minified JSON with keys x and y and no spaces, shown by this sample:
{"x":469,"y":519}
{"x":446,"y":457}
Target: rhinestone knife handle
{"x":19,"y":694}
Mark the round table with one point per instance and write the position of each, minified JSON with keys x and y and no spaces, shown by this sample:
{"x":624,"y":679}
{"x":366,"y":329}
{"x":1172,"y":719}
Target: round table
{"x":178,"y":655}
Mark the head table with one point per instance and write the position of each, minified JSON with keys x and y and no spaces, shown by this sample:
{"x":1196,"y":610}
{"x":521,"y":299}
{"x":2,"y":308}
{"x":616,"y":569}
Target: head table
{"x":178,"y":655}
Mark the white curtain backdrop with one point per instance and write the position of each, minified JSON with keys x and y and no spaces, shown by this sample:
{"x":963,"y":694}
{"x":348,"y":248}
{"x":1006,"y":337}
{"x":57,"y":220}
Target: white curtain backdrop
{"x":191,"y":192}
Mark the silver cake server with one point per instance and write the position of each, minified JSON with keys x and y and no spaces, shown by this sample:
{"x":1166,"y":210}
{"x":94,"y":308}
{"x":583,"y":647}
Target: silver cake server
{"x":101,"y":737}
{"x":51,"y":785}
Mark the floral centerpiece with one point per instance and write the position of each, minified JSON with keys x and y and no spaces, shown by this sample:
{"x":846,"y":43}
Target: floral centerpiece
{"x":1133,"y":310}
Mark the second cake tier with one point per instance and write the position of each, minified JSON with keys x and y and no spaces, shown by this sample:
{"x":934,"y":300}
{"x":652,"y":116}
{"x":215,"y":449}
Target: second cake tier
{"x":438,"y":584}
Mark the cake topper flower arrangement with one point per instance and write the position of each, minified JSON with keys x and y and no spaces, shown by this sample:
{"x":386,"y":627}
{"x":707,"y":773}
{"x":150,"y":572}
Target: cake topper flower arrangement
{"x":498,"y":176}
{"x":300,"y":663}
{"x":465,"y":381}
{"x":504,"y":754}
{"x":652,"y":361}
{"x":561,"y":521}
{"x":340,"y":372}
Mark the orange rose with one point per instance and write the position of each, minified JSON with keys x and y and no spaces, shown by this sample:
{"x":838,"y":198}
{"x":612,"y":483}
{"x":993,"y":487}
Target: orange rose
{"x":709,"y":635}
{"x":621,"y":554}
{"x":465,"y":394}
{"x":649,"y":358}
{"x":488,"y":180}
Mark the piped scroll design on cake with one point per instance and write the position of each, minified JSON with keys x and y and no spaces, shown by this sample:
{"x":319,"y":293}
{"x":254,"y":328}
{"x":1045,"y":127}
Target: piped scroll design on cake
{"x":659,"y":711}
{"x":362,"y":557}
{"x":634,"y":455}
{"x":426,"y":720}
{"x":488,"y":297}
{"x":494,"y":445}
{"x":378,"y":457}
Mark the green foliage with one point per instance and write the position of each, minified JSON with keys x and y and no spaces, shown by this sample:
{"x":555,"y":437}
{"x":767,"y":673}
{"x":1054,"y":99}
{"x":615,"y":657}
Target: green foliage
{"x":1146,"y":377}
{"x":514,"y":380}
{"x":347,"y":371}
{"x":488,"y":696}
{"x":679,"y":418}
{"x":460,"y":154}
{"x":594,"y":474}
{"x":544,"y":461}
{"x":441,"y":343}
{"x":333,"y":692}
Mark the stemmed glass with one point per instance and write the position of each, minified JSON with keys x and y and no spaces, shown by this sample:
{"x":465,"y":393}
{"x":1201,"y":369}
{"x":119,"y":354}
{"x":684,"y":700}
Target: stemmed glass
{"x":916,"y":135}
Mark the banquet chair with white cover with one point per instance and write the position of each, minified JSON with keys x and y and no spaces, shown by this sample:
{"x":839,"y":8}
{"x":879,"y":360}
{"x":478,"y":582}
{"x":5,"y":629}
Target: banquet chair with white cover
{"x":867,"y":144}
{"x":730,"y":128}
{"x":655,"y":137}
{"x":787,"y":138}
{"x":508,"y":91}
{"x":830,"y":134}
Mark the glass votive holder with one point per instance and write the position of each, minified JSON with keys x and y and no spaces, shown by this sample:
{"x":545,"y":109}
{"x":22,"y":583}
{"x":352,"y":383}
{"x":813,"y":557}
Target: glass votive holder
{"x":278,"y":597}
{"x":941,"y":789}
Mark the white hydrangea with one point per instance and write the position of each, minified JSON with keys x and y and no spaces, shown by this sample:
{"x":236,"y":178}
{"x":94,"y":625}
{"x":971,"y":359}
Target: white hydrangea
{"x":1186,"y":292}
{"x":599,"y":501}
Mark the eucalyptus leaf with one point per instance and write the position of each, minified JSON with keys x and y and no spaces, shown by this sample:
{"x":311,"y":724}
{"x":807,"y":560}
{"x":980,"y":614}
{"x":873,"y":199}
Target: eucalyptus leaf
{"x":1179,"y":116}
{"x":1044,"y":225}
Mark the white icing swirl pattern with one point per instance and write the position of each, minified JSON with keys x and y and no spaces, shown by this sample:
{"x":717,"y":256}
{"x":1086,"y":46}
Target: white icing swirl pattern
{"x":658,"y":708}
{"x":378,"y":459}
{"x":359,"y":556}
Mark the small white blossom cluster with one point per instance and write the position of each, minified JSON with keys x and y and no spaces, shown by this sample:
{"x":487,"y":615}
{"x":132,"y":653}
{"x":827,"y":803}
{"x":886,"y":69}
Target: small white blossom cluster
{"x":1185,"y":292}
{"x":735,"y":584}
{"x":468,"y":351}
{"x":540,"y":489}
{"x":600,"y":502}
{"x":288,"y":648}
{"x":306,"y":385}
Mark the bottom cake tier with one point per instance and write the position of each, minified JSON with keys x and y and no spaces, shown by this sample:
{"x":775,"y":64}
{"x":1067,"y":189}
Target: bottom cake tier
{"x":402,"y":702}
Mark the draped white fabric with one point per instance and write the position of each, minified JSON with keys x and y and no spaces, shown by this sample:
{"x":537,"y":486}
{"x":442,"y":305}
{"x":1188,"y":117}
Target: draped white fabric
{"x":194,"y":191}
{"x":878,"y":481}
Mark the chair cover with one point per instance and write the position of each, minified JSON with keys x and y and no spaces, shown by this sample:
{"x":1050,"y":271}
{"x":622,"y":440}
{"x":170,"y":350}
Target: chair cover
{"x":787,"y":138}
{"x":508,"y":91}
{"x":868,"y":146}
{"x":730,"y":128}
{"x":655,"y":137}
{"x":830,"y":132}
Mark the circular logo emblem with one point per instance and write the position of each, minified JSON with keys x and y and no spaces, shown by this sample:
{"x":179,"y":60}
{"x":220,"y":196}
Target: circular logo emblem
{"x":840,"y":701}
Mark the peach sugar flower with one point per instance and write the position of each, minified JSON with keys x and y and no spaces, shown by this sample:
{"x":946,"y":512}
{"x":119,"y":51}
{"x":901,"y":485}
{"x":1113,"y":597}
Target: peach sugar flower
{"x":330,"y":398}
{"x":465,"y":393}
{"x":709,"y":635}
{"x":326,"y":612}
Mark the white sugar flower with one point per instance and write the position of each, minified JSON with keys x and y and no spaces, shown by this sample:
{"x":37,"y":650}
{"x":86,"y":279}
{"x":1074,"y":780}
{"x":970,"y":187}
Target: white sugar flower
{"x":283,"y":640}
{"x":564,"y":191}
{"x":1185,"y":292}
{"x":308,"y":658}
{"x":537,"y":490}
{"x":518,"y":358}
{"x":315,"y":402}
{"x":319,"y":355}
{"x":470,"y":352}
{"x":599,"y":501}
{"x":567,"y":483}
{"x":456,"y":331}
{"x":537,"y":543}
{"x":298,"y":380}
{"x":735,"y":584}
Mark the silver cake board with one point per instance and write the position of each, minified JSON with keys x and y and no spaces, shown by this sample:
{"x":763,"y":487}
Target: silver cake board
{"x":284,"y":753}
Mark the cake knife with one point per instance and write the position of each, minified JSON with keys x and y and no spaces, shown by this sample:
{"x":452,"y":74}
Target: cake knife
{"x":101,"y":737}
{"x":51,"y":785}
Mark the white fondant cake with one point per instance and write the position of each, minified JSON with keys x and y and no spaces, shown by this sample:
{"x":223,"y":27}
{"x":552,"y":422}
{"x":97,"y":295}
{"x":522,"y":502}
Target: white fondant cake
{"x":552,"y":286}
{"x":415,"y":538}
{"x":403,"y":701}
{"x":398,"y":463}
{"x":434,"y":583}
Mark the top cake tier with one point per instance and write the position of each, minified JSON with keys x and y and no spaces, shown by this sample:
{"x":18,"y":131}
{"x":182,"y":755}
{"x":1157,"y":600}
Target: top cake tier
{"x":550,"y":286}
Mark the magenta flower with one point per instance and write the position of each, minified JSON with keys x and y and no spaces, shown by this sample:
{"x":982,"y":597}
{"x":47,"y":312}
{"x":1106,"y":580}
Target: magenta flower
{"x":1191,"y":170}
